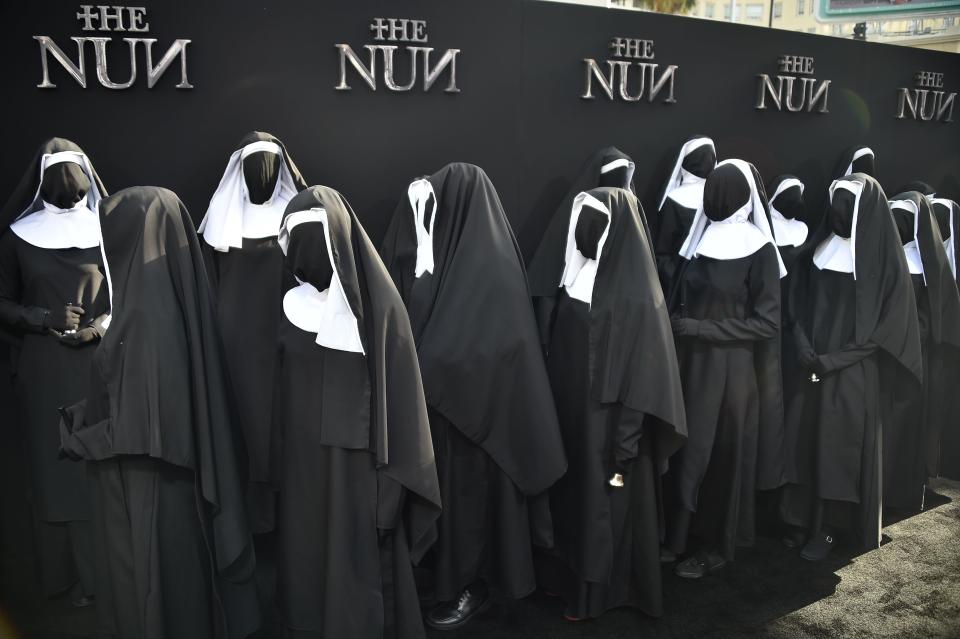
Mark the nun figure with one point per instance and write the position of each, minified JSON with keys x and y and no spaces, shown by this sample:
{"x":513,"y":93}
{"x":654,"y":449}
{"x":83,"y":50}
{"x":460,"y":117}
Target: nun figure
{"x":175,"y":557}
{"x":681,"y":198}
{"x":854,"y":321}
{"x":358,"y":484}
{"x":944,"y":455}
{"x":246,"y":271}
{"x":616,"y":383}
{"x":454,"y":259}
{"x":608,"y":166}
{"x":912,"y":429}
{"x":54,"y":305}
{"x":856,"y":159}
{"x":727,"y":303}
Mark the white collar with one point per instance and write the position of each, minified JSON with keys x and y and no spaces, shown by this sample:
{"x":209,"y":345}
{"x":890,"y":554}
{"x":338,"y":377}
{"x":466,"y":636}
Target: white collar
{"x":679,"y":176}
{"x":326,"y":313}
{"x":231,"y":216}
{"x":419,"y":193}
{"x":54,"y":228}
{"x":912,"y":248}
{"x":835,"y":254}
{"x":733,"y":237}
{"x":579,"y":271}
{"x":689,"y":194}
{"x":786,"y":231}
{"x":859,"y":153}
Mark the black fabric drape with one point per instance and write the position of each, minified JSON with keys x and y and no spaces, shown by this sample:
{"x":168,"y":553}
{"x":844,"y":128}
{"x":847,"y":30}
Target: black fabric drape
{"x":159,"y":386}
{"x":474,"y":327}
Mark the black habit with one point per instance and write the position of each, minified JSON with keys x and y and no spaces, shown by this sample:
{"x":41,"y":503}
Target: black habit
{"x":248,"y":284}
{"x":158,"y":430}
{"x":616,"y":384}
{"x":854,"y":320}
{"x":494,"y":426}
{"x":944,"y":454}
{"x":727,"y":322}
{"x":912,"y":433}
{"x":358,"y":486}
{"x":48,"y":261}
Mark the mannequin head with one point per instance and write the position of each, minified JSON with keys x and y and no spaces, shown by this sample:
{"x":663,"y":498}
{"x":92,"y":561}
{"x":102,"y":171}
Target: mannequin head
{"x":590,"y":227}
{"x":700,"y":161}
{"x":904,"y":221}
{"x":790,"y":202}
{"x":840,"y":212}
{"x":307,"y":256}
{"x":942,"y":214}
{"x":261,"y":171}
{"x":725,"y":191}
{"x":64,"y":185}
{"x":865,"y":164}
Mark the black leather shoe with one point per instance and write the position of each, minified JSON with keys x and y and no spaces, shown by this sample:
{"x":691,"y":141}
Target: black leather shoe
{"x":83,"y":602}
{"x":698,"y":565}
{"x":818,"y":547}
{"x":794,"y":538}
{"x":453,"y":614}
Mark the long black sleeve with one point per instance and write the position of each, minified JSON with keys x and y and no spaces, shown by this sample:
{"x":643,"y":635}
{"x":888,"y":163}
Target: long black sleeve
{"x":764,"y":316}
{"x":13,"y":314}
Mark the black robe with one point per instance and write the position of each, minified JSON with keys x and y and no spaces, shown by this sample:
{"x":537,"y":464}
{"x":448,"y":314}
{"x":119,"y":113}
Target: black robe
{"x":616,"y":384}
{"x":732,"y":388}
{"x":485,"y":382}
{"x":863,"y":330}
{"x":912,"y":433}
{"x":547,"y":262}
{"x":355,"y":466}
{"x":944,"y":452}
{"x":161,"y":438}
{"x":248,"y":283}
{"x":48,"y":373}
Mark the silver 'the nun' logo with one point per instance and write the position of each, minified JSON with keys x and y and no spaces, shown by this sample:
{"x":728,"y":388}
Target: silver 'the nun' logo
{"x":632,"y":78}
{"x":112,"y":19}
{"x":398,"y":30}
{"x":794,"y":88}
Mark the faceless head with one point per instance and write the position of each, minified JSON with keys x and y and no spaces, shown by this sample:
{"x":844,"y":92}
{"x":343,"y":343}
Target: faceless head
{"x":840,"y":213}
{"x":590,"y":227}
{"x":307,"y":256}
{"x":790,"y":202}
{"x":261,"y":170}
{"x":725,"y":192}
{"x":701,"y":161}
{"x":64,"y":185}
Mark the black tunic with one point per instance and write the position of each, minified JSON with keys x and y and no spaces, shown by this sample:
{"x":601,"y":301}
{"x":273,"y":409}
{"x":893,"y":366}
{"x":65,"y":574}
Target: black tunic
{"x":672,"y":227}
{"x":834,"y":425}
{"x":49,"y":374}
{"x":334,"y":572}
{"x":738,"y":303}
{"x":608,"y":539}
{"x":249,"y":289}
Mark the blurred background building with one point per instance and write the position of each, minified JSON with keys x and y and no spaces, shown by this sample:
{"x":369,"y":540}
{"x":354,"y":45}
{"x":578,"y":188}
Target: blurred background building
{"x":930,"y":24}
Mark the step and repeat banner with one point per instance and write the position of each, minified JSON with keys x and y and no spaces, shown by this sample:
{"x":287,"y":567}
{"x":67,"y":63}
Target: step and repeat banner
{"x":368,"y":95}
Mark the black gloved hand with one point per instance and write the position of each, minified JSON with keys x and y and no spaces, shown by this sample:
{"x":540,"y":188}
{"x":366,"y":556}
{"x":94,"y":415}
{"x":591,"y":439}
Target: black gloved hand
{"x":812,"y":362}
{"x":81,"y":337}
{"x":685,"y":326}
{"x":66,"y":320}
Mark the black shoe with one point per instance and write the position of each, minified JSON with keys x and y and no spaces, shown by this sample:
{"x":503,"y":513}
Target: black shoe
{"x":83,"y":602}
{"x":667,"y":556}
{"x":794,"y":539}
{"x":818,"y":547}
{"x":698,"y":565}
{"x":453,"y":614}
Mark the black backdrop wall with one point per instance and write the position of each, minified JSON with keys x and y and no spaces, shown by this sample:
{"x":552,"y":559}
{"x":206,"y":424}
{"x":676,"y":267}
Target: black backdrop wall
{"x":273,"y":66}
